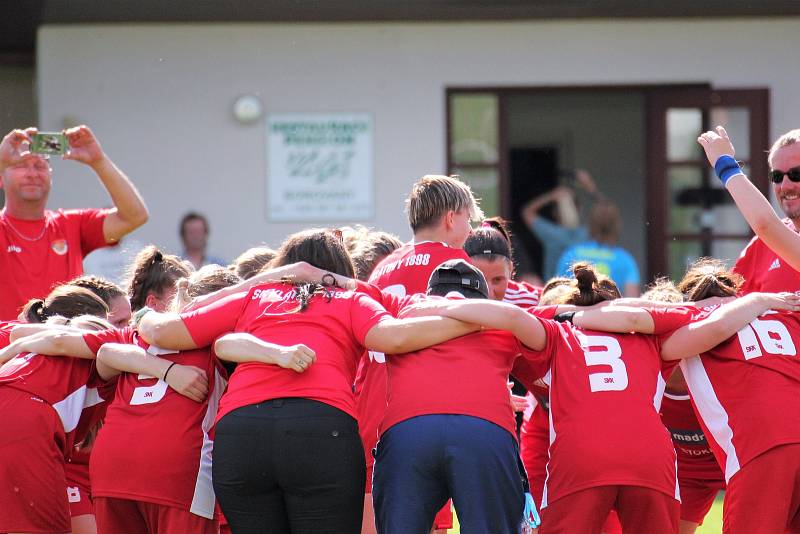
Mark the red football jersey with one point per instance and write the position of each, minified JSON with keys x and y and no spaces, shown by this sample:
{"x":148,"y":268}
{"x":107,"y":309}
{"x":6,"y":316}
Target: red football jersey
{"x":30,"y":269}
{"x":475,"y":368}
{"x":70,"y":385}
{"x":162,"y":424}
{"x":522,"y":294}
{"x":747,"y":390}
{"x":5,"y":332}
{"x":606,"y":387}
{"x":695,"y":459}
{"x":334,"y":326}
{"x":404,"y":272}
{"x":763,"y":270}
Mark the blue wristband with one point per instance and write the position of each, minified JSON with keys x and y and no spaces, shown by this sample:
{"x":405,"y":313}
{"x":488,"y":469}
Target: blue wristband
{"x":726,"y":167}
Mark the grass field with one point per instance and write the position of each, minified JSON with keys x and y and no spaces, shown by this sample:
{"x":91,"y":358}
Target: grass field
{"x":712,"y":524}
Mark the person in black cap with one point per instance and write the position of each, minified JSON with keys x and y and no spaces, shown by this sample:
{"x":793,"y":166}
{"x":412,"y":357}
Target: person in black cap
{"x":460,"y":444}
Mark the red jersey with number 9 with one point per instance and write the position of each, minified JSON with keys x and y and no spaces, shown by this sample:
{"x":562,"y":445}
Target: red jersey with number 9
{"x":154,"y":445}
{"x":746,"y":390}
{"x":605,"y":390}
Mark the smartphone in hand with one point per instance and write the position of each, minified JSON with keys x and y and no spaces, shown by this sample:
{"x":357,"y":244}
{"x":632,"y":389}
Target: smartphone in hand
{"x":49,"y":143}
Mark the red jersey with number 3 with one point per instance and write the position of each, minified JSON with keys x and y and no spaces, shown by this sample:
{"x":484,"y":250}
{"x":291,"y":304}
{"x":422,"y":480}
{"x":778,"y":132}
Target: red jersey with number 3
{"x":154,"y":445}
{"x":70,"y":385}
{"x":403,"y":272}
{"x":747,"y":390}
{"x":764,"y":270}
{"x":605,"y":390}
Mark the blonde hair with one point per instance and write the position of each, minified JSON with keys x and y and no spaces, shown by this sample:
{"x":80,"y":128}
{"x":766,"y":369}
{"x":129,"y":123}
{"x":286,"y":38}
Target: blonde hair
{"x":432,"y":196}
{"x":789,"y":138}
{"x":663,"y":290}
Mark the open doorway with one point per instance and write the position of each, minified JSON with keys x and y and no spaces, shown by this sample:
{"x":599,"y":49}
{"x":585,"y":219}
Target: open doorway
{"x":637,"y":142}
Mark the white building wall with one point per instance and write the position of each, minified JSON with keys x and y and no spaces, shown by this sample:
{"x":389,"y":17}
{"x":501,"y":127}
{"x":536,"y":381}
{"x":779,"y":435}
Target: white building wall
{"x":159,"y":96}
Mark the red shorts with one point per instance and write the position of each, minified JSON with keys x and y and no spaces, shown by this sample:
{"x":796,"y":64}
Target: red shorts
{"x":33,"y":495}
{"x":764,"y":495}
{"x":137,"y":517}
{"x":79,"y":489}
{"x":639,"y":509}
{"x":697,"y":497}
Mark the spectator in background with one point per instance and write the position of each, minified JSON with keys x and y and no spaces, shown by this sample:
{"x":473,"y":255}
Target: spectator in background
{"x":40,"y":248}
{"x":194,"y":232}
{"x":555,"y":237}
{"x":602,"y":251}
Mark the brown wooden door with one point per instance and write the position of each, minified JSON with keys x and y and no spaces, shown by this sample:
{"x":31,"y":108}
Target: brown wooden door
{"x":689,"y":214}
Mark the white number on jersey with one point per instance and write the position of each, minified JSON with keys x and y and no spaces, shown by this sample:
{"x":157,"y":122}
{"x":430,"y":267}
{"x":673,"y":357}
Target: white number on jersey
{"x":397,"y":290}
{"x":773,"y":336}
{"x":604,"y":350}
{"x":149,"y":394}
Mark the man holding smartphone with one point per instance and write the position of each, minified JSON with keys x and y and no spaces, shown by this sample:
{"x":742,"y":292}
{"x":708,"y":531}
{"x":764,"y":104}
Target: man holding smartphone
{"x":40,"y":248}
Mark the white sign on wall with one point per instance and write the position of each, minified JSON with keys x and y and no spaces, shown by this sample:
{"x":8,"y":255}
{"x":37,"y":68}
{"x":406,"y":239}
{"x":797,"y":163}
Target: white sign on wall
{"x":319,"y":166}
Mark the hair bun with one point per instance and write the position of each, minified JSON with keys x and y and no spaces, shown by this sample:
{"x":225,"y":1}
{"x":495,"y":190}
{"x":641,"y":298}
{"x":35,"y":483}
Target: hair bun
{"x":585,"y":275}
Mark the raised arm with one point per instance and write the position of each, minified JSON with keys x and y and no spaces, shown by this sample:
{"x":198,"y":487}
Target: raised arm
{"x":701,"y":336}
{"x":241,"y":347}
{"x":488,"y":314}
{"x":129,"y":210}
{"x":755,"y":208}
{"x":115,"y":358}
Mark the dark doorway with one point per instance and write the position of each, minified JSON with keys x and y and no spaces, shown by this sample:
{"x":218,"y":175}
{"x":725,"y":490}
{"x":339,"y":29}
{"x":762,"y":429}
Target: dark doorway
{"x":533,"y":171}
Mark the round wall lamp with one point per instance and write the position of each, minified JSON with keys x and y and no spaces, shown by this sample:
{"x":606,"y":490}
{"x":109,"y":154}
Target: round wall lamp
{"x":247,"y":109}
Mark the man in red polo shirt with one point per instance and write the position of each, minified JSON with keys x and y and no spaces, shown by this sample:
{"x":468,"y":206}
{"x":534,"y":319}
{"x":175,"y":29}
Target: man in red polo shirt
{"x":40,"y":248}
{"x":761,"y":268}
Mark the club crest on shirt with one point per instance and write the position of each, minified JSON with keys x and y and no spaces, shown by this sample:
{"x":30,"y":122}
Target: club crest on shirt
{"x":59,"y":246}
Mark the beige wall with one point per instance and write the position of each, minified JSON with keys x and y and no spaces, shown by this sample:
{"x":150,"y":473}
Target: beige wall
{"x":159,"y":96}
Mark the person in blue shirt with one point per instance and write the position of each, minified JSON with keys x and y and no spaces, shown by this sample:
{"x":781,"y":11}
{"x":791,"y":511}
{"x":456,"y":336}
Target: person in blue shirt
{"x":556,"y":237}
{"x":601,"y":249}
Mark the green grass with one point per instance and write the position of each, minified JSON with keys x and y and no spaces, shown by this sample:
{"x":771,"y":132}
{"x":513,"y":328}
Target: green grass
{"x":711,"y":525}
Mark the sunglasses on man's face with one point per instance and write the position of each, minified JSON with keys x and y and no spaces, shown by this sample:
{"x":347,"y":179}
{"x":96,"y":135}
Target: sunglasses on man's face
{"x":777,"y":176}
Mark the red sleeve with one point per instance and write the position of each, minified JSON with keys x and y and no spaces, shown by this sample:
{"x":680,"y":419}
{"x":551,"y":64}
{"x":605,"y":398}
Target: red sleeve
{"x":91,"y":227}
{"x":530,"y":367}
{"x":209,"y":322}
{"x":543,"y":312}
{"x":364,"y":314}
{"x":666,"y":320}
{"x":95,"y":340}
{"x":5,"y":332}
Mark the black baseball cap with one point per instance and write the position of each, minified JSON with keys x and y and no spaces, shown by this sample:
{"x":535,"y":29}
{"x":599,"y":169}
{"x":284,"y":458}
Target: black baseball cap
{"x":459,"y":276}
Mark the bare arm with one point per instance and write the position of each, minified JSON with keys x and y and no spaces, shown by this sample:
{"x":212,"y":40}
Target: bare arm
{"x":166,"y":330}
{"x":620,"y":319}
{"x":298,"y":271}
{"x":115,"y":358}
{"x":488,"y":314}
{"x":701,"y":336}
{"x":530,"y":211}
{"x":129,"y":210}
{"x":398,"y":336}
{"x":28,"y":329}
{"x":242,"y":347}
{"x":51,"y":343}
{"x":755,"y":208}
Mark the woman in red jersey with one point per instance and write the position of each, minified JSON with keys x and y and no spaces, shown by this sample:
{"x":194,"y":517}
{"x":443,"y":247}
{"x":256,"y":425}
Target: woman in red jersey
{"x":48,"y":405}
{"x":489,"y":249}
{"x":608,"y":386}
{"x":287,"y":449}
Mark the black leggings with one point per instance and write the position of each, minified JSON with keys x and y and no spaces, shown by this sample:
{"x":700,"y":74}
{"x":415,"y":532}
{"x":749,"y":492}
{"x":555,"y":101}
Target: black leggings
{"x":291,"y":466}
